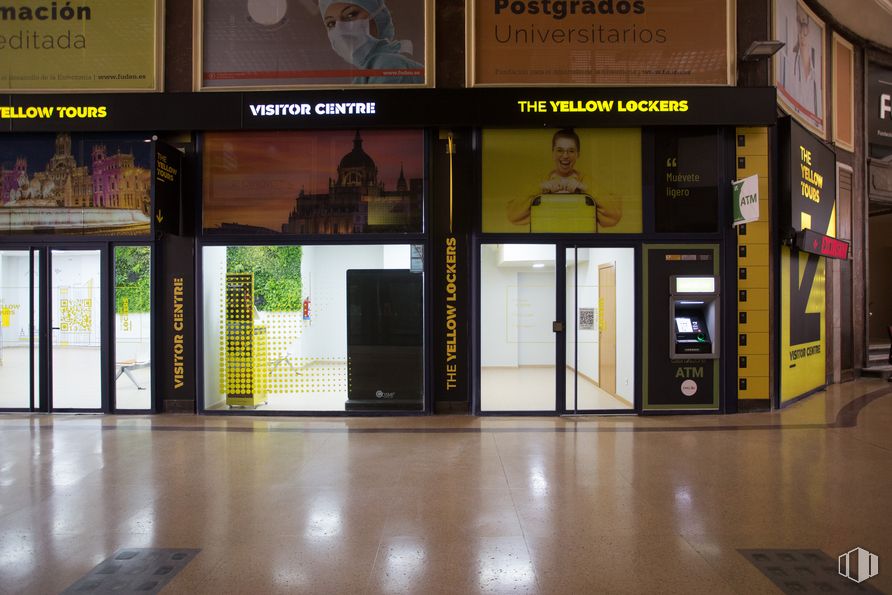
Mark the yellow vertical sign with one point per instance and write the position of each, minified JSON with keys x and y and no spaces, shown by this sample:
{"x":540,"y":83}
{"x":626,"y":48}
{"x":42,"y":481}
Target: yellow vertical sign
{"x":5,"y":315}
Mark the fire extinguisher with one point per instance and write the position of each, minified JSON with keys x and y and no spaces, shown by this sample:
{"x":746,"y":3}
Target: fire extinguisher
{"x":307,"y":308}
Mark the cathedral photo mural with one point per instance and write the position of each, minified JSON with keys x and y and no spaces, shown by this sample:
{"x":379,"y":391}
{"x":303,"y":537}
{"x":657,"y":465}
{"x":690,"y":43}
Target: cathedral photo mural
{"x":313,"y":182}
{"x":75,"y":184}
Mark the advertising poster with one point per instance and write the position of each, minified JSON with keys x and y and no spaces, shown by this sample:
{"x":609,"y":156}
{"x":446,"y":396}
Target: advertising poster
{"x":313,"y":182}
{"x":85,"y":184}
{"x":79,"y":46}
{"x":607,"y":42}
{"x":799,"y":65}
{"x":843,"y":93}
{"x":281,"y":43}
{"x":562,"y":181}
{"x":809,"y":182}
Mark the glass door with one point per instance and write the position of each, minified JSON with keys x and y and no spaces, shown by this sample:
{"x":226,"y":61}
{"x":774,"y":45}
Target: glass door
{"x":75,"y":278}
{"x":600,"y":321}
{"x":132,"y":383}
{"x":518,"y":368}
{"x":19,"y":366}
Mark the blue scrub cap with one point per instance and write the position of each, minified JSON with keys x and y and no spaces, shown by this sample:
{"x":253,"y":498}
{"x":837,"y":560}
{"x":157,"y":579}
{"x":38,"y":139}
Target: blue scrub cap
{"x":382,"y":18}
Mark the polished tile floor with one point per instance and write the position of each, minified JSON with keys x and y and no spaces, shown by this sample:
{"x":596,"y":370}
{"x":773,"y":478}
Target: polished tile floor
{"x":449,"y":504}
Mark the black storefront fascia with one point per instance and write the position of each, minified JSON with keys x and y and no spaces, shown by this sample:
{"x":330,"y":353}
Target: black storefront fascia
{"x":462,"y":110}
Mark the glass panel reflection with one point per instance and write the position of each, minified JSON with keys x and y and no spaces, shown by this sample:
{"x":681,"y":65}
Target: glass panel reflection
{"x":15,"y":329}
{"x":601,"y":328}
{"x":133,"y":301}
{"x":76,"y":345}
{"x":517,"y":307}
{"x":313,"y":328}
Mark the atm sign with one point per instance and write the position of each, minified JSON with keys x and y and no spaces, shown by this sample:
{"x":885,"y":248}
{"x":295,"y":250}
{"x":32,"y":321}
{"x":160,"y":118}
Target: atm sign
{"x":817,"y":243}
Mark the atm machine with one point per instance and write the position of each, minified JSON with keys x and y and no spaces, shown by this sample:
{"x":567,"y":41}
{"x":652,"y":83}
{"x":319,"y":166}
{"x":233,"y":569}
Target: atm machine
{"x":693,"y":317}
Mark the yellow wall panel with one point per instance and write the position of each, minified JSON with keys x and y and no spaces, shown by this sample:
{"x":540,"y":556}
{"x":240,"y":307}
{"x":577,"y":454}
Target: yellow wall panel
{"x":754,"y":164}
{"x":756,"y":278}
{"x":754,"y":379}
{"x":754,"y":148}
{"x":756,"y":254}
{"x":756,"y":321}
{"x":756,"y":299}
{"x":756,"y":388}
{"x":756,"y":233}
{"x":756,"y":344}
{"x":756,"y":365}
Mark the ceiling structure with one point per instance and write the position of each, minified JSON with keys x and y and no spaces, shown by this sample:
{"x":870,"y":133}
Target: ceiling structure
{"x":870,"y":19}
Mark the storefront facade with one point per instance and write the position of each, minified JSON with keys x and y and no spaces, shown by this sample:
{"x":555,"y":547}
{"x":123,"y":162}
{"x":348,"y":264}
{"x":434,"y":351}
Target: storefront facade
{"x":503,"y":249}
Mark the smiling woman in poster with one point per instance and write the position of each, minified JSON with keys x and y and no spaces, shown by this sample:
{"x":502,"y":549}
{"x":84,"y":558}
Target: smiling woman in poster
{"x":362,"y":33}
{"x":564,"y":178}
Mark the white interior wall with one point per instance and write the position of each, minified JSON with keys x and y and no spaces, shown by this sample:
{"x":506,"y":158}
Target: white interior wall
{"x":535,"y":313}
{"x":324,"y":279}
{"x":586,"y":360}
{"x":495,"y":348}
{"x":14,"y":294}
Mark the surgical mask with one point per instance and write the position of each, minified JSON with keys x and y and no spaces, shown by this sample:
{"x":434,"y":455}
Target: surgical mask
{"x":351,"y":40}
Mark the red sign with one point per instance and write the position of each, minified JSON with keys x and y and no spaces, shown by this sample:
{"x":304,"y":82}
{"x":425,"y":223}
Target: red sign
{"x":817,"y":243}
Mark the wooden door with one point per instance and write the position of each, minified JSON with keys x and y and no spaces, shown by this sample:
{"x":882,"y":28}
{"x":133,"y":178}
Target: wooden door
{"x":607,"y":327}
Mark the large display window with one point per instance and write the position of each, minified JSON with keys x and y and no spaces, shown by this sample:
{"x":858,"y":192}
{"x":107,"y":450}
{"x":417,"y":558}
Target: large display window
{"x":313,"y":328}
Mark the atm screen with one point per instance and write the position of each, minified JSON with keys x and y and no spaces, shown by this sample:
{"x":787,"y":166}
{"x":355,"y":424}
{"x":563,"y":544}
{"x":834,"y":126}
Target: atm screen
{"x":683,"y":325}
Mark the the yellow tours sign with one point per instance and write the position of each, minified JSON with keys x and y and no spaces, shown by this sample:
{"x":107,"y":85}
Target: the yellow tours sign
{"x":79,"y":45}
{"x":809,"y":183}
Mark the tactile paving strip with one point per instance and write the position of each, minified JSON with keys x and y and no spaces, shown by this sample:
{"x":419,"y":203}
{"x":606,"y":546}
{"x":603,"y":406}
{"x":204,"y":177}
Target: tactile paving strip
{"x":804,"y":571}
{"x":134,"y":570}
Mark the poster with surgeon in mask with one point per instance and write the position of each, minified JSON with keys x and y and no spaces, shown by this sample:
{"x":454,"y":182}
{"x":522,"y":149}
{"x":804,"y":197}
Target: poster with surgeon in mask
{"x":294,"y":43}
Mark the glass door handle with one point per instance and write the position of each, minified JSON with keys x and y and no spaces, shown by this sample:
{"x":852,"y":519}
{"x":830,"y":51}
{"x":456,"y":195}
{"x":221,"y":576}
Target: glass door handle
{"x":557,"y":326}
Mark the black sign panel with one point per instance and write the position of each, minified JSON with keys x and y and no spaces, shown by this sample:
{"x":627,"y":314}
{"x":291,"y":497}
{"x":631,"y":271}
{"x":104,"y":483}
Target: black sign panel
{"x":176,"y":321}
{"x":822,"y":245}
{"x":808,"y":180}
{"x":686,"y":191}
{"x":166,"y":216}
{"x":879,"y":105}
{"x":450,"y":258}
{"x":515,"y":107}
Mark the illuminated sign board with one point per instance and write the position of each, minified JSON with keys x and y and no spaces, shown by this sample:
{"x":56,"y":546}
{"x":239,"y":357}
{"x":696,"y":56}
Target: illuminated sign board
{"x":32,"y":112}
{"x":817,"y":243}
{"x":306,"y":109}
{"x":402,"y":108}
{"x":606,"y":105}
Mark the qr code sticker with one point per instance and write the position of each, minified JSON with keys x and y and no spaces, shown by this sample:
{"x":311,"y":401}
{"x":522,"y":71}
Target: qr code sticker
{"x":586,"y":319}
